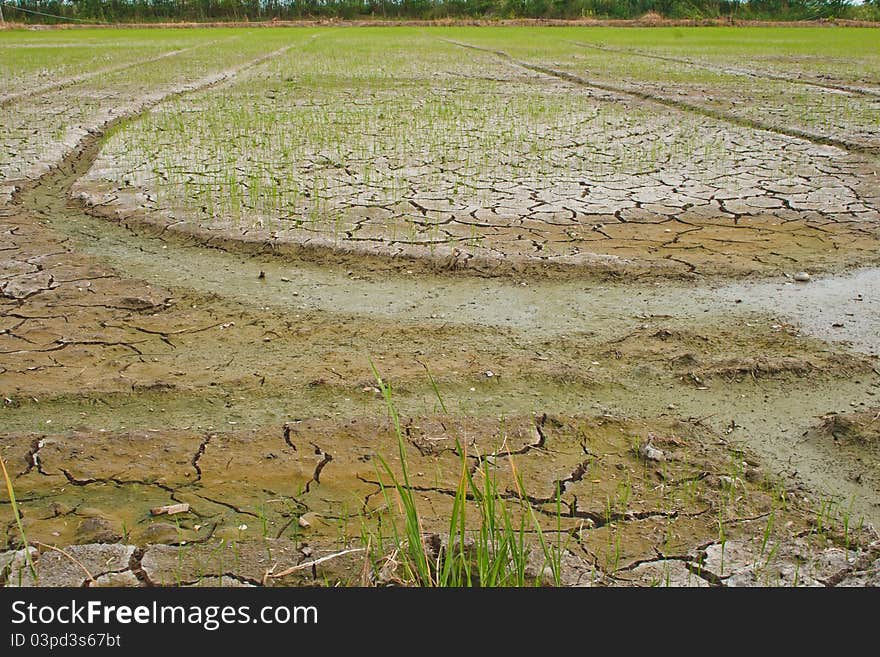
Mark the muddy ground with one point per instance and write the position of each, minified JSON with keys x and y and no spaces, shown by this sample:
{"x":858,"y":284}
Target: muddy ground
{"x":699,"y":432}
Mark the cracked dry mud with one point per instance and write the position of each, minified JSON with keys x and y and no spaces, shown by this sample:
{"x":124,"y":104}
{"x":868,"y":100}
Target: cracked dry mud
{"x":621,"y":181}
{"x":140,"y":369}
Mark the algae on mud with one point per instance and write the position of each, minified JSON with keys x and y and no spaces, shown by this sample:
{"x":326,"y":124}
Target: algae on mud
{"x":140,"y":368}
{"x":619,"y":511}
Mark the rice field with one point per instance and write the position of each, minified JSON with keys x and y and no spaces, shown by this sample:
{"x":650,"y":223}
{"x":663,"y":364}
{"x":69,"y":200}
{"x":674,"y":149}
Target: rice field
{"x":493,"y":306}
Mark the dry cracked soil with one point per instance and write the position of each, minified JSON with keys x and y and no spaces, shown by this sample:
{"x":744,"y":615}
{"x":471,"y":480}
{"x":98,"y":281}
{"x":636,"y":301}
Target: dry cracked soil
{"x":630,"y":359}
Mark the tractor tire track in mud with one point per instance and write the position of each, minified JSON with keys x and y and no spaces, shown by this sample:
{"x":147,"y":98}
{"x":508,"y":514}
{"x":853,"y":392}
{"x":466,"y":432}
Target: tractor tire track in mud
{"x":8,"y":99}
{"x":727,"y":70}
{"x":786,"y":131}
{"x":91,"y":134}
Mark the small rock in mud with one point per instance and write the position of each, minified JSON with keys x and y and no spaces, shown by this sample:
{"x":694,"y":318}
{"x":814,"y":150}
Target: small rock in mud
{"x":645,"y":371}
{"x":14,"y":566}
{"x":802,"y":277}
{"x":96,"y":530}
{"x":166,"y":565}
{"x":651,"y":453}
{"x":116,"y":580}
{"x":869,"y":577}
{"x":139,"y":303}
{"x":56,"y":569}
{"x":223,"y":581}
{"x":306,"y":519}
{"x":572,"y":570}
{"x":665,"y":573}
{"x":170,"y":509}
{"x":436,"y":545}
{"x":723,"y":559}
{"x":59,"y":509}
{"x":830,"y":563}
{"x":729,"y":483}
{"x":785,"y":575}
{"x":754,"y":474}
{"x":858,"y":428}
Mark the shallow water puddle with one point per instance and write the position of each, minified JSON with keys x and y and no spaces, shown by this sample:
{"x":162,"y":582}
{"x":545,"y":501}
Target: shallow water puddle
{"x":838,"y":308}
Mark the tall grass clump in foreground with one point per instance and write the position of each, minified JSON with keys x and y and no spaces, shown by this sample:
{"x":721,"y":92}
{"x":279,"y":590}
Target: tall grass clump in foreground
{"x":14,"y":504}
{"x":492,"y":554}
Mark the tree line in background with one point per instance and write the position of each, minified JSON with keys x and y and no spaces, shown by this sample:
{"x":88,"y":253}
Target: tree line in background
{"x":261,"y":10}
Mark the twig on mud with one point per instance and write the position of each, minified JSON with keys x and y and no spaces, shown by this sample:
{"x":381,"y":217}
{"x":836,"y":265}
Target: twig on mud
{"x":308,"y":564}
{"x":698,"y":421}
{"x":79,"y":563}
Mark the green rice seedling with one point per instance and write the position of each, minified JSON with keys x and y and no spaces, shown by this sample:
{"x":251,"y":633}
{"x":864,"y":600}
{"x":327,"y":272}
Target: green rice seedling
{"x":553,"y":554}
{"x":823,"y":516}
{"x":495,"y":552}
{"x":262,"y":516}
{"x":770,"y":556}
{"x":126,"y":532}
{"x":624,"y":492}
{"x":613,"y":554}
{"x":722,"y":536}
{"x":768,"y":530}
{"x":500,"y":547}
{"x":235,"y":553}
{"x":10,"y":491}
{"x":416,"y":549}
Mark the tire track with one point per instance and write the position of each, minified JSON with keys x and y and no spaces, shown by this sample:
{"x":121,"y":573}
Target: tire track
{"x":112,"y":116}
{"x":820,"y":140}
{"x":740,"y":72}
{"x":8,"y":99}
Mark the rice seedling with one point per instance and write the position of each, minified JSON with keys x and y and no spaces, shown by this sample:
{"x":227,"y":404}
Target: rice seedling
{"x":496,"y":551}
{"x":768,"y":531}
{"x":848,"y":528}
{"x":722,"y":534}
{"x":823,"y":519}
{"x":16,"y":514}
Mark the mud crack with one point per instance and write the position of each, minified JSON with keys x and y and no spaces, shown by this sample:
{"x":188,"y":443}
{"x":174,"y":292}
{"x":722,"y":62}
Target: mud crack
{"x":326,"y":457}
{"x":198,"y":455}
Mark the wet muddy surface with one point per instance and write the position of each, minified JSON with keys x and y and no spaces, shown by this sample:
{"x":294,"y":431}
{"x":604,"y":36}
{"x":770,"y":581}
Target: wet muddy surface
{"x":143,"y":367}
{"x":623,"y":516}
